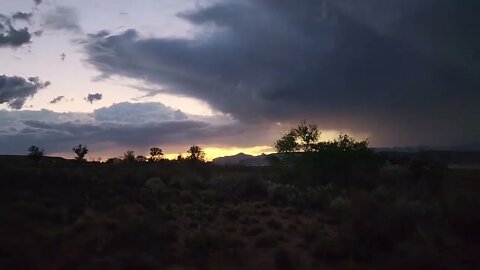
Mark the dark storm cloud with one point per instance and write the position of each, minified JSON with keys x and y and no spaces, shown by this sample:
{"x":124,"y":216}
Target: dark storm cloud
{"x":22,"y":16}
{"x":57,"y":99}
{"x":9,"y":36}
{"x":94,"y":97}
{"x":62,"y":18}
{"x":37,"y":2}
{"x":15,"y":90}
{"x":120,"y":125}
{"x":406,"y":71}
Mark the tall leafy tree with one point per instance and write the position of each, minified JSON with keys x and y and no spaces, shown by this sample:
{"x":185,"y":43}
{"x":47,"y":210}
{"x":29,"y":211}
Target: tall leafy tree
{"x":35,"y":153}
{"x":80,"y":150}
{"x":196,"y":153}
{"x":156,"y":154}
{"x":302,"y":138}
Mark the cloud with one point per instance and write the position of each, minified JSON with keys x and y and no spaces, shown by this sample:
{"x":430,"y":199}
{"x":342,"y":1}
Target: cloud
{"x":15,"y":90}
{"x":120,"y":126}
{"x":62,"y":18}
{"x":138,"y":113}
{"x":9,"y":36}
{"x":37,"y":2}
{"x":93,"y":97}
{"x":22,"y":16}
{"x":57,"y":99}
{"x":404,"y":71}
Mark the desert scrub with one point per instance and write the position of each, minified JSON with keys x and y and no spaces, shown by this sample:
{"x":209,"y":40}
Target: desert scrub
{"x":284,"y":260}
{"x":240,"y":187}
{"x":339,"y":204}
{"x":210,"y":196}
{"x":279,"y":194}
{"x":254,"y":231}
{"x":155,"y":185}
{"x":274,"y":224}
{"x":232,"y":214}
{"x":267,"y":240}
{"x":187,"y":182}
{"x":330,"y":248}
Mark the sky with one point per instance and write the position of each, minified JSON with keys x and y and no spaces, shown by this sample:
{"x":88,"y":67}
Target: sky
{"x":234,"y":75}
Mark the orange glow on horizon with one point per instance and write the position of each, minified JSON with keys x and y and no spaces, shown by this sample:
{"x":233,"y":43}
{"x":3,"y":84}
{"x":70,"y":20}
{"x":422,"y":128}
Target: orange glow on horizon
{"x":212,"y":152}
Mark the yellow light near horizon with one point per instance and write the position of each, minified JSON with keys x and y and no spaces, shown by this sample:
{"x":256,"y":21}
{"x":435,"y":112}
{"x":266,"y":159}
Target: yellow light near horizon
{"x":212,"y":152}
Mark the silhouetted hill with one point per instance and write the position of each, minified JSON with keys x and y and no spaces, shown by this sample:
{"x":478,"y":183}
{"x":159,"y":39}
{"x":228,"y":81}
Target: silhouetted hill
{"x":399,"y":155}
{"x":242,"y":159}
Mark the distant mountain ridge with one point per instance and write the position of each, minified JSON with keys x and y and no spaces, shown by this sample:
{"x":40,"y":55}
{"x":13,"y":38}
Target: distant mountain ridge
{"x":242,"y":159}
{"x":398,"y":154}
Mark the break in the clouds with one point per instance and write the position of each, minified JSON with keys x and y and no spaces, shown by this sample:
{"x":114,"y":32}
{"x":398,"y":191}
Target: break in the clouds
{"x":94,"y":97}
{"x":15,"y":90}
{"x":62,"y":18}
{"x":404,"y":71}
{"x":119,"y":126}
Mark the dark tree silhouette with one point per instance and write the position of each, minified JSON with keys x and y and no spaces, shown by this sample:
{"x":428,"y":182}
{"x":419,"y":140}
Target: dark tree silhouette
{"x":302,"y":138}
{"x":156,"y":154}
{"x":80,"y":151}
{"x":196,"y":153}
{"x":35,"y":153}
{"x":129,"y":156}
{"x":287,"y":143}
{"x":311,"y":162}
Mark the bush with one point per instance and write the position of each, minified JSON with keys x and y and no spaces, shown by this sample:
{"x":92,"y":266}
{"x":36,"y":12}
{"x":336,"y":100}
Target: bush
{"x":330,"y":248}
{"x":267,"y":240}
{"x":283,"y":259}
{"x":187,"y":182}
{"x":240,"y":187}
{"x":339,"y":204}
{"x":155,"y":185}
{"x":282,"y":194}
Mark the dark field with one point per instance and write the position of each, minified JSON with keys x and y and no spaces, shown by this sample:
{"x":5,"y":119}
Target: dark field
{"x":59,"y":214}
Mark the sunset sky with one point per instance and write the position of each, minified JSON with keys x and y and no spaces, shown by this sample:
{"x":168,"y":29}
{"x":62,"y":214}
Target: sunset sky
{"x":233,"y":75}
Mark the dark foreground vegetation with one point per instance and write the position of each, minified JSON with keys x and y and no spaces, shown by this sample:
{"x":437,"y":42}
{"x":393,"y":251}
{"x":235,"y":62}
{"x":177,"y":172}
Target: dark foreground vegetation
{"x":329,"y":206}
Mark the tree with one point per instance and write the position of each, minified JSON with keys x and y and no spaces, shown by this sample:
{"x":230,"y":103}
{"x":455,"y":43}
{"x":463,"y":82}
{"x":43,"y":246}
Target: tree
{"x":307,"y":136}
{"x":196,"y":153}
{"x":35,"y":153}
{"x":287,"y":143}
{"x":156,"y":154}
{"x":343,"y":160}
{"x":129,"y":156}
{"x":80,"y":151}
{"x":302,"y":138}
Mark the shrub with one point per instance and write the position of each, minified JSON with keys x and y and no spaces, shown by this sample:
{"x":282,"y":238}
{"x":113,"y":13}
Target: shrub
{"x":187,"y":182}
{"x":283,"y":259}
{"x":35,"y":153}
{"x":155,"y":185}
{"x":254,"y":231}
{"x":339,"y":204}
{"x":274,"y":224}
{"x":282,"y":194}
{"x":236,"y":187}
{"x":267,"y":240}
{"x":330,"y":248}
